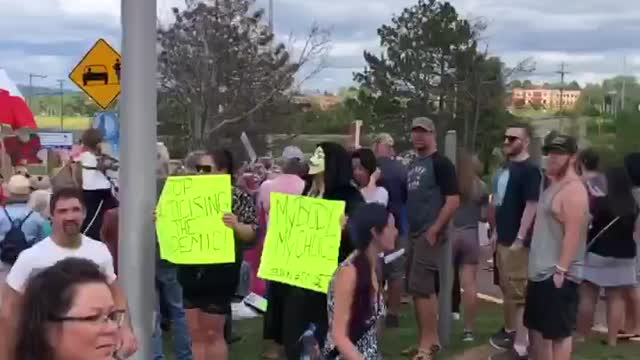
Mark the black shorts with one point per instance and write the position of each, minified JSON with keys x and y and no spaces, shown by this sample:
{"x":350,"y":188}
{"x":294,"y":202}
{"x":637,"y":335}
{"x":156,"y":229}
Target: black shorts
{"x":209,"y":288}
{"x":551,"y":311}
{"x":216,"y":305}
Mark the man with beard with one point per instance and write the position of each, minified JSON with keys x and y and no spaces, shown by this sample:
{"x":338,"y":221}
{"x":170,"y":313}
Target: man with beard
{"x":433,"y":198}
{"x":67,"y":214}
{"x":518,"y":188}
{"x":557,"y":254}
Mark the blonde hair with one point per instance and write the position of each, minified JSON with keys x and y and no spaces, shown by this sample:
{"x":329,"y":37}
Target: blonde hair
{"x":39,"y":202}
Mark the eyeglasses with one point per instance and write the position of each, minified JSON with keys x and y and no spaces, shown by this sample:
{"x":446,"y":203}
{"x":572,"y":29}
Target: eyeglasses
{"x":204,"y":169}
{"x":511,"y":139}
{"x":116,"y":317}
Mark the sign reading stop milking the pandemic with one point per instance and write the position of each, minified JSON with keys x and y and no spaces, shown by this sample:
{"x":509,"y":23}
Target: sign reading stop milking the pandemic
{"x":98,"y":74}
{"x":189,"y":220}
{"x":302,"y":242}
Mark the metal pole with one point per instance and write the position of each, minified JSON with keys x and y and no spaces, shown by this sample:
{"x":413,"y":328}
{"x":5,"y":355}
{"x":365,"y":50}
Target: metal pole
{"x":30,"y":91}
{"x":61,"y":82}
{"x":137,"y":169}
{"x":271,"y":16}
{"x":445,"y":318}
{"x":31,"y":76}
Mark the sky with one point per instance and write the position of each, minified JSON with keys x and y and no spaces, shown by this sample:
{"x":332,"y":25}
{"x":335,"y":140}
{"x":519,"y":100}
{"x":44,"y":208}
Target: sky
{"x":594,"y":37}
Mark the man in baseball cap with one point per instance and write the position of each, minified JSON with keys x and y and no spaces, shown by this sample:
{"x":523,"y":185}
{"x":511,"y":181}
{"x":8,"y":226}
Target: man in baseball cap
{"x":563,"y":144}
{"x":432,"y":199}
{"x":423,"y":123}
{"x":558,"y":248}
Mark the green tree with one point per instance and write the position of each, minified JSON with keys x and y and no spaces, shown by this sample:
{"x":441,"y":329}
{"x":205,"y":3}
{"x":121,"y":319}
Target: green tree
{"x":224,"y":71}
{"x":515,"y":84}
{"x":573,"y":86}
{"x":527,"y":84}
{"x":415,"y":74}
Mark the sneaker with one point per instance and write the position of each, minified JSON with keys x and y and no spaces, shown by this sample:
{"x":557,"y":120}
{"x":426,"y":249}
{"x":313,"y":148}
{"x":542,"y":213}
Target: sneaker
{"x":508,"y":355}
{"x":392,"y":321}
{"x":502,"y":340}
{"x":467,"y":336}
{"x":456,"y":316}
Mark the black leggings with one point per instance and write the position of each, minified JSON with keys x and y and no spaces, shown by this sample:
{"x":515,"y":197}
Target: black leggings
{"x":97,"y":203}
{"x":274,"y":317}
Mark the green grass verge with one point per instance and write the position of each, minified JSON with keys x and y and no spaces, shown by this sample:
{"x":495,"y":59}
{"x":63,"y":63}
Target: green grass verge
{"x":69,"y":123}
{"x":394,"y":341}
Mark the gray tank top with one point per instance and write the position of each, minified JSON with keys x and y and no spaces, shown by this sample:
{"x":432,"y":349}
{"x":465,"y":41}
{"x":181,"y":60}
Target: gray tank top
{"x":548,"y":234}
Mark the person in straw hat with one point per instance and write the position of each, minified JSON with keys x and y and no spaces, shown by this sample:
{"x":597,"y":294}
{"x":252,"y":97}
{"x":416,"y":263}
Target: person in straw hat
{"x":16,"y":210}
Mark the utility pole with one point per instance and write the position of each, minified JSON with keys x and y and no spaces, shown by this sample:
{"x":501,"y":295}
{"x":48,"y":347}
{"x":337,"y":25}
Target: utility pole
{"x":61,"y":82}
{"x":138,"y":114}
{"x":31,"y":76}
{"x":624,"y":82}
{"x":271,"y":16}
{"x":562,"y":73}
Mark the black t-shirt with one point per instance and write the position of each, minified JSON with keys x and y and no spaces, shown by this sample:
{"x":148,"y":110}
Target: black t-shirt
{"x":523,"y":185}
{"x":617,"y":240}
{"x":445,"y":173}
{"x":430,"y":180}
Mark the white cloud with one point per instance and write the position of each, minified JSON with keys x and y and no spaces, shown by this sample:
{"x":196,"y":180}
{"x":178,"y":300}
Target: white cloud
{"x":590,"y":35}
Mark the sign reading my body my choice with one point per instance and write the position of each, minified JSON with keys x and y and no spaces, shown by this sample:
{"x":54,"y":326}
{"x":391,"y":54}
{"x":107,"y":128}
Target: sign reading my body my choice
{"x":189,"y":220}
{"x":302,"y":243}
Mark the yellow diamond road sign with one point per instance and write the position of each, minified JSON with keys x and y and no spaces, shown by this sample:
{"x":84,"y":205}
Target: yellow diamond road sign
{"x":98,"y":74}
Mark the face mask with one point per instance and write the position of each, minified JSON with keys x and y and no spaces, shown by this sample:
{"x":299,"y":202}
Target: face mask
{"x":316,"y":163}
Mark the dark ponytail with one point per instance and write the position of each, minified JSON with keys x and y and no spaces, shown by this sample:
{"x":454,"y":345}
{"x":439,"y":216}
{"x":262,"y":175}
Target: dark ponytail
{"x":366,"y":218}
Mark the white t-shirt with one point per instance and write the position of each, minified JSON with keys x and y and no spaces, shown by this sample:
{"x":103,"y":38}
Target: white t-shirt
{"x":46,"y":253}
{"x":376,"y":195}
{"x":92,"y":179}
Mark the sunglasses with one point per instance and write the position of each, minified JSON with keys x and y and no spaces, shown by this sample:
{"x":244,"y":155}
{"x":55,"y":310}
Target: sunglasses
{"x":204,"y":169}
{"x":511,"y":139}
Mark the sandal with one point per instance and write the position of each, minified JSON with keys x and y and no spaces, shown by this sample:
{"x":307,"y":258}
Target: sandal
{"x":410,"y":351}
{"x":423,"y":355}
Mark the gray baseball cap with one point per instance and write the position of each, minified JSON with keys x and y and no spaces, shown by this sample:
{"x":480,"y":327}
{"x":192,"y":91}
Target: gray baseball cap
{"x":292,"y":152}
{"x":424,"y":123}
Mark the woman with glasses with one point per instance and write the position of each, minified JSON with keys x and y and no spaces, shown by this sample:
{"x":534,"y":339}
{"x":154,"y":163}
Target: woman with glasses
{"x":209,"y":289}
{"x":69,"y":313}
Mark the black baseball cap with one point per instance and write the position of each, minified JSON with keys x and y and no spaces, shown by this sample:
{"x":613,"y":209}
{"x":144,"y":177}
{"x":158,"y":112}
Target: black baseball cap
{"x":561,"y":143}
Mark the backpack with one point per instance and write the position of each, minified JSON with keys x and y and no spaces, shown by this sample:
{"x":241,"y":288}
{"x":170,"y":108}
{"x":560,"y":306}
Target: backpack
{"x":15,"y":240}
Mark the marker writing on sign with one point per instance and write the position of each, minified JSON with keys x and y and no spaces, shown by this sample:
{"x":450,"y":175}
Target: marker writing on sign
{"x":202,"y":242}
{"x":306,"y":231}
{"x":315,"y":281}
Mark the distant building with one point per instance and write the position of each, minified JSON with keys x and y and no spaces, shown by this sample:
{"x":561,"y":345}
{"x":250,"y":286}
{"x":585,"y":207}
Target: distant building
{"x":545,"y":98}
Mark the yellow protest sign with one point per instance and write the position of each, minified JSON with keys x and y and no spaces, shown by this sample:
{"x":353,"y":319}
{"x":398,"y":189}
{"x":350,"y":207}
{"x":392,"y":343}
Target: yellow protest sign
{"x":98,"y":73}
{"x":189,"y":220}
{"x":302,"y":243}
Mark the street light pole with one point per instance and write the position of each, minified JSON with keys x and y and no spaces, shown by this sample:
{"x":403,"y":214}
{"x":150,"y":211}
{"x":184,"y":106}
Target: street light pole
{"x":61,"y":82}
{"x":137,"y":169}
{"x":31,"y":76}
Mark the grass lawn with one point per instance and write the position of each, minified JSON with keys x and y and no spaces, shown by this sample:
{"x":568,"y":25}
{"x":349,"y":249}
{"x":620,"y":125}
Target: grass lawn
{"x":489,"y":320}
{"x":69,"y":123}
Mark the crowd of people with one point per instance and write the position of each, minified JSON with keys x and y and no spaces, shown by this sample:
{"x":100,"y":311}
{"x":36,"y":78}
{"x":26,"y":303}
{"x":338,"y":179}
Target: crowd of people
{"x":560,"y":234}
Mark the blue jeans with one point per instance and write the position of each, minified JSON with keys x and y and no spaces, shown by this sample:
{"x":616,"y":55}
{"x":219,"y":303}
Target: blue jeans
{"x":171,"y":292}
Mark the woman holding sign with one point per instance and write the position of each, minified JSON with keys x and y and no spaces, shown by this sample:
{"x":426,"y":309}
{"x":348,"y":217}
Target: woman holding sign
{"x":332,"y":172}
{"x":209,"y":289}
{"x":355,"y":299}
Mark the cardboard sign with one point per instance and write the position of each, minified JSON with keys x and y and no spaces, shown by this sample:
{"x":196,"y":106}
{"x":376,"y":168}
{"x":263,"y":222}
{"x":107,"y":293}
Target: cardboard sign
{"x":189,"y":220}
{"x":302,"y":243}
